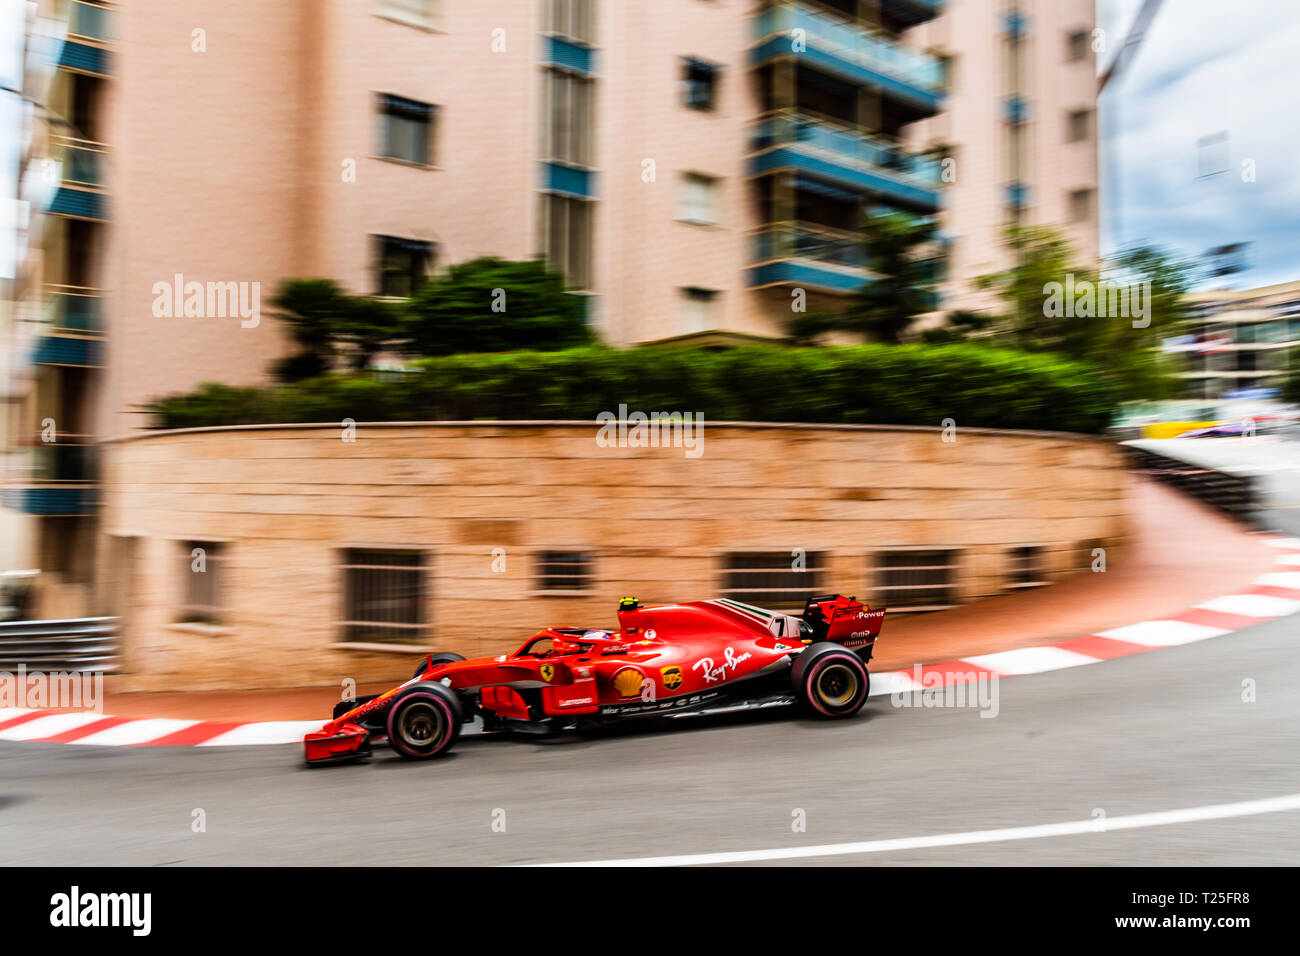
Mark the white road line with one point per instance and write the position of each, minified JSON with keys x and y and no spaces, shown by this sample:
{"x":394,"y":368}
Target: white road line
{"x":1253,"y":605}
{"x":49,"y":726}
{"x":1291,"y":560}
{"x":1283,"y":543}
{"x":1030,"y":660}
{"x":1280,"y":579}
{"x":9,"y":713}
{"x":889,"y":682}
{"x":1163,"y":633}
{"x":135,"y":732}
{"x":268,"y":732}
{"x":1100,"y":827}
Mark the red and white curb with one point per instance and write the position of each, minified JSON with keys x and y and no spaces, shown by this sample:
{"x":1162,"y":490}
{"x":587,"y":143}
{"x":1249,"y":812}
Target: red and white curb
{"x":1269,"y":596}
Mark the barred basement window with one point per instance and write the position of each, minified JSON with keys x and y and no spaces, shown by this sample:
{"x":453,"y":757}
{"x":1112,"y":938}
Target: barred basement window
{"x":1026,"y":567}
{"x":569,"y":571}
{"x":775,"y":580}
{"x":203,"y":562}
{"x":384,"y":595}
{"x":916,"y":580}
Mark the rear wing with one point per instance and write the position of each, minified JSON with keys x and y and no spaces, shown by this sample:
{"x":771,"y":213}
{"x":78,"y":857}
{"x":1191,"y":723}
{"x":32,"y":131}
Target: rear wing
{"x":844,"y":620}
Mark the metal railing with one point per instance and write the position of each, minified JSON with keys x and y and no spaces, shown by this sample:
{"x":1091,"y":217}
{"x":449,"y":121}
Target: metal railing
{"x":80,"y":160}
{"x":70,"y":308}
{"x":73,"y":644}
{"x":798,"y":240}
{"x":854,"y":41}
{"x":790,"y":127}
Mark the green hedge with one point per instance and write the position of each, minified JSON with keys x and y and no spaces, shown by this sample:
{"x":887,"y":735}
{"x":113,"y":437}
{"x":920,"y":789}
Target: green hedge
{"x":876,"y":384}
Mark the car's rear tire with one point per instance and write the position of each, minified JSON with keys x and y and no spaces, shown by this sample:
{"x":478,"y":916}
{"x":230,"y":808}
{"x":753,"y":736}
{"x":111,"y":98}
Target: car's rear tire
{"x":423,"y":721}
{"x":830,"y":680}
{"x":446,"y":657}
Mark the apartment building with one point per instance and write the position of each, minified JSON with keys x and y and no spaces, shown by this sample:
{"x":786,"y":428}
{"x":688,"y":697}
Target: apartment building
{"x":1019,"y":127}
{"x":1236,"y":343}
{"x":697,"y":169}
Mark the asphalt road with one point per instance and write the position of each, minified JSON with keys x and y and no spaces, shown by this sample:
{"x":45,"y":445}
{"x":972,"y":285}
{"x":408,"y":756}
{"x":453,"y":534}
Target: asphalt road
{"x":1151,"y":732}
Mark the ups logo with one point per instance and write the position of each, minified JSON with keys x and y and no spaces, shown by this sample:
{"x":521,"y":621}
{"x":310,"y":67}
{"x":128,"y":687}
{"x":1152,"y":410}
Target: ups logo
{"x":672,"y":677}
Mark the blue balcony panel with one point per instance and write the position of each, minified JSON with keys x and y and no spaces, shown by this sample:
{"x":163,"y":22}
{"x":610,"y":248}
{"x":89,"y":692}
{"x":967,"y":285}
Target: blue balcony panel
{"x":925,"y":102}
{"x":63,"y":350}
{"x":1015,"y":108}
{"x":802,"y":273}
{"x":79,"y":203}
{"x":84,"y":58}
{"x":52,"y":500}
{"x":568,"y":180}
{"x":556,"y":51}
{"x":841,"y":174}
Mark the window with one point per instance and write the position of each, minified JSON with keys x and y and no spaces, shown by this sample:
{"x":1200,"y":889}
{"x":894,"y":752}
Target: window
{"x":417,"y":12}
{"x":1025,"y":567}
{"x":699,"y":199}
{"x":775,"y":580}
{"x":575,"y":19}
{"x":401,"y":265}
{"x":699,"y":84}
{"x":383,"y":595}
{"x":564,"y":571}
{"x":1080,"y":205}
{"x":566,"y":134}
{"x":566,"y":237}
{"x":201,"y":595}
{"x":916,"y":580}
{"x":1078,"y":126}
{"x":405,"y":130}
{"x":699,"y":309}
{"x":1076,"y":45}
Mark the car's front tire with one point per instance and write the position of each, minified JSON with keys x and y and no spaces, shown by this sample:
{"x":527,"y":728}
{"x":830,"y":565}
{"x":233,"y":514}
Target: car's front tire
{"x":446,"y":657}
{"x":830,"y":680}
{"x":423,"y":721}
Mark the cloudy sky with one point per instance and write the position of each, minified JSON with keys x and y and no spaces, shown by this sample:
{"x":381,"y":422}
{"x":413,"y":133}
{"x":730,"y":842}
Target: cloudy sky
{"x":1207,"y":68}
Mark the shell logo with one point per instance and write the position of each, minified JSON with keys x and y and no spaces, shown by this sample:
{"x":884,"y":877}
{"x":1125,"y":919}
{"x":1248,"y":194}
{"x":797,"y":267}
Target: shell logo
{"x":628,"y":682}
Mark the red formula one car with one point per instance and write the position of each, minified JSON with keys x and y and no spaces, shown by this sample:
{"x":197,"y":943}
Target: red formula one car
{"x":671,"y":660}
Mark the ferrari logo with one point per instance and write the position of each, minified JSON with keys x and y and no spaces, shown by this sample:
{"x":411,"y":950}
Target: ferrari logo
{"x":672,"y":677}
{"x":548,"y":671}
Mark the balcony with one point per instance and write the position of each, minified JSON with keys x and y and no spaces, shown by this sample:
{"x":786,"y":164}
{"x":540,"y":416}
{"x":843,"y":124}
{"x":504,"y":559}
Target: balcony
{"x":846,"y":157}
{"x":73,"y":309}
{"x":796,"y":253}
{"x":89,"y":26}
{"x":848,"y":49}
{"x":79,"y":193}
{"x":56,"y":478}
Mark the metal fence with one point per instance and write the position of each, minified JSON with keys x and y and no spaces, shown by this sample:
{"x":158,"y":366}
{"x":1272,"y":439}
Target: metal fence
{"x":74,"y":644}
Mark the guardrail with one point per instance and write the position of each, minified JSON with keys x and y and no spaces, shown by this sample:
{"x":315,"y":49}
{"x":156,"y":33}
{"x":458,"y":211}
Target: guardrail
{"x":73,"y":644}
{"x":1235,"y":495}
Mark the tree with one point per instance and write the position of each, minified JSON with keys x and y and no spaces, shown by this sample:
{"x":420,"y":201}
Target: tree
{"x":902,"y":286}
{"x":327,"y":324}
{"x":1114,"y":319}
{"x":496,"y":305}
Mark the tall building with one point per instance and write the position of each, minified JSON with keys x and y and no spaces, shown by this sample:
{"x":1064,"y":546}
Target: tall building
{"x":1019,"y":127}
{"x":696,"y":168}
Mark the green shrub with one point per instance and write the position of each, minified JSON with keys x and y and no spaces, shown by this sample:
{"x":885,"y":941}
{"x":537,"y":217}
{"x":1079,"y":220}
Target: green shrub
{"x":863,"y":384}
